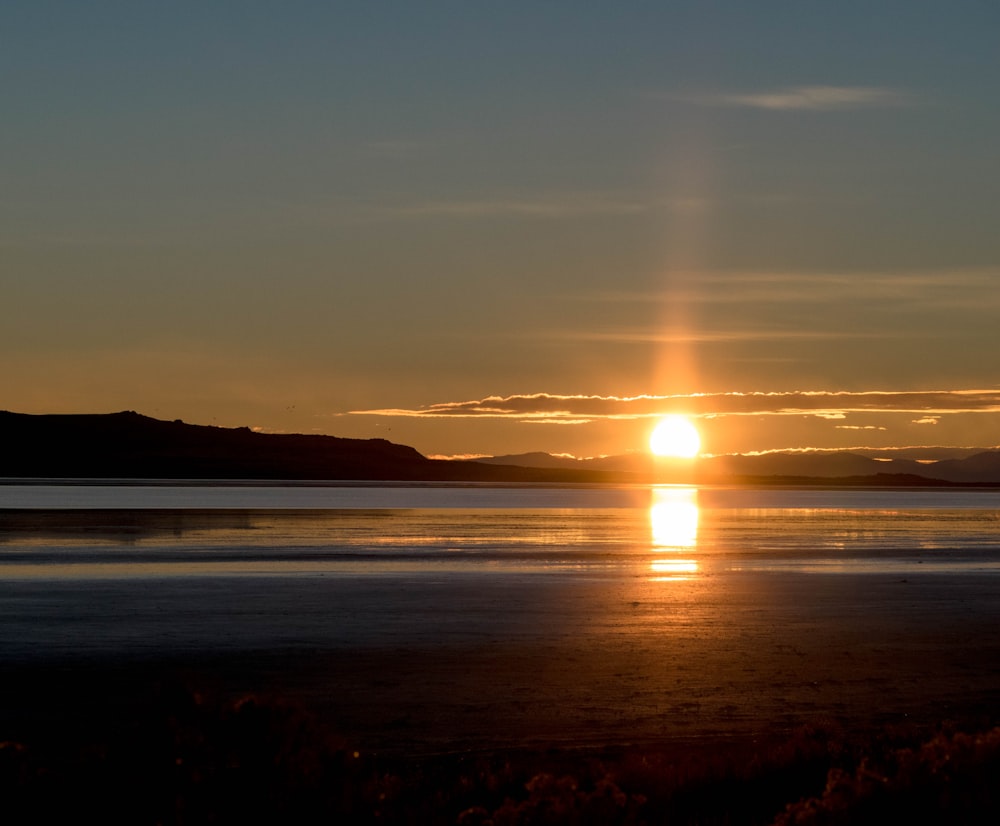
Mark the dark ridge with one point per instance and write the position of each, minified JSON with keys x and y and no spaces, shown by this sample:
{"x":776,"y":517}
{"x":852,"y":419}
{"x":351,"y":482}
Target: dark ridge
{"x":128,"y":445}
{"x":893,"y":480}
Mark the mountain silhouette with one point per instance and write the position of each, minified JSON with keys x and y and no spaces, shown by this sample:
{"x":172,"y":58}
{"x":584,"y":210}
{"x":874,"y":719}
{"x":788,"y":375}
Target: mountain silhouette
{"x":881,"y":467}
{"x":128,"y":445}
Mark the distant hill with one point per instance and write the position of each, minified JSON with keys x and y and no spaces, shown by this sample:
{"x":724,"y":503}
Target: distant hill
{"x":537,"y":459}
{"x":982,"y":467}
{"x":128,"y":445}
{"x":971,"y":467}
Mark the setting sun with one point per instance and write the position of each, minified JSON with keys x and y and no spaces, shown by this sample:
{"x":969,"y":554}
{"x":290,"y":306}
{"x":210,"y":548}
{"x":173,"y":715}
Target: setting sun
{"x":676,"y":437}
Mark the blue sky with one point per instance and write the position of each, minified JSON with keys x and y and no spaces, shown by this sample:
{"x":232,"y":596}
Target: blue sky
{"x":348,"y":217}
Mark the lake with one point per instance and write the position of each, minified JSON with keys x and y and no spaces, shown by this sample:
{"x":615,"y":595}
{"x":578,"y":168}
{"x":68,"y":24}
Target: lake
{"x":478,"y":614}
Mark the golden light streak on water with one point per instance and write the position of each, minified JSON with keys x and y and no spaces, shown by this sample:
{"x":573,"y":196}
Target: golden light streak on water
{"x":673,"y":522}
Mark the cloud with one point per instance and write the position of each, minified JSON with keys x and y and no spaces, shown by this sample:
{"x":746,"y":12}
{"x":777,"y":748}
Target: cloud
{"x":398,"y":149}
{"x":538,"y":205}
{"x":660,"y":336}
{"x":958,"y":288}
{"x":564,"y":206}
{"x":927,"y":420}
{"x":548,"y":408}
{"x":858,"y":427}
{"x":811,"y":98}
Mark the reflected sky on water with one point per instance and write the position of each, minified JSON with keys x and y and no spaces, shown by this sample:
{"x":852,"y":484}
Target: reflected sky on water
{"x":491,"y":565}
{"x":667,"y":532}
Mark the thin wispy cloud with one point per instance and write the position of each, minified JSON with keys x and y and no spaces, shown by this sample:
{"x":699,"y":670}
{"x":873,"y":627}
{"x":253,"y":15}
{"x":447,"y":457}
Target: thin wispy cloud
{"x":964,"y":288}
{"x":858,"y":427}
{"x":659,"y":336}
{"x":809,"y":98}
{"x":546,"y":408}
{"x":539,"y":205}
{"x":568,"y":206}
{"x":397,"y":149}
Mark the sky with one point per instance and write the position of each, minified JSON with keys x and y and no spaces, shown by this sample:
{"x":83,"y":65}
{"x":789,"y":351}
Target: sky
{"x":491,"y":228}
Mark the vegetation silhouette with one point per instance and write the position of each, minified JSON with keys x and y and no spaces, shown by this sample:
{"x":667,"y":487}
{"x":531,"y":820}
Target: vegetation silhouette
{"x":191,"y":758}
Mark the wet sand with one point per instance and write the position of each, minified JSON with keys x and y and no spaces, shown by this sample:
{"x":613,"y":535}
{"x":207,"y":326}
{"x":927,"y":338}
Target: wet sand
{"x":473,"y":663}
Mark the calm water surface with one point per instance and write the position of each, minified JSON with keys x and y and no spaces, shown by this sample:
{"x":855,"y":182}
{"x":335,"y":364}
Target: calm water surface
{"x":130,"y":566}
{"x":99,"y":530}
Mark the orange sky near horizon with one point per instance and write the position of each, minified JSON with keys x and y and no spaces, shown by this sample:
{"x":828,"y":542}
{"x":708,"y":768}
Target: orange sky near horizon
{"x":494,"y":230}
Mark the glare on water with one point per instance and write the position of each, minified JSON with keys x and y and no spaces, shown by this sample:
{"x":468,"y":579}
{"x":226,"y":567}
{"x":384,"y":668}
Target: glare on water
{"x":673,"y":519}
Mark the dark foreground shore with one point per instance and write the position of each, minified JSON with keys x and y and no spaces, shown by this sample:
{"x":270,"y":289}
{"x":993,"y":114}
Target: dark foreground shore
{"x":137,"y":743}
{"x":757,"y":699}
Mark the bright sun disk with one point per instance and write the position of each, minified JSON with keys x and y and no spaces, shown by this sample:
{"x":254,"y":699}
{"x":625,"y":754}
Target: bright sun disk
{"x":675,"y":437}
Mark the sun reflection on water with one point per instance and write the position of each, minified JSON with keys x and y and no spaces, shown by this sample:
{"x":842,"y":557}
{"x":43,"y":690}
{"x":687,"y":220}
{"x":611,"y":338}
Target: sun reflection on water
{"x":673,"y":521}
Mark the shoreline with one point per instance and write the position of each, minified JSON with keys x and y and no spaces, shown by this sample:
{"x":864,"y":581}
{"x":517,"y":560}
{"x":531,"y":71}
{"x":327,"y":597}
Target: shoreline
{"x":290,"y":685}
{"x":620,"y":681}
{"x":732,"y":704}
{"x":234,"y":740}
{"x":413,"y":705}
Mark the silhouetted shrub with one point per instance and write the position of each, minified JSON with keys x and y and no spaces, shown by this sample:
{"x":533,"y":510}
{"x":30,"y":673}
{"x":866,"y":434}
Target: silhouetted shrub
{"x":953,"y":778}
{"x":187,"y":759}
